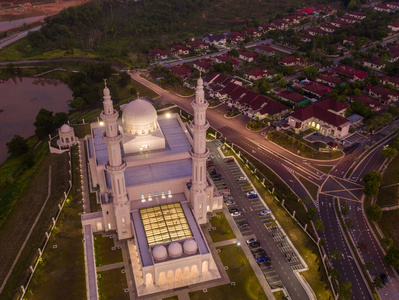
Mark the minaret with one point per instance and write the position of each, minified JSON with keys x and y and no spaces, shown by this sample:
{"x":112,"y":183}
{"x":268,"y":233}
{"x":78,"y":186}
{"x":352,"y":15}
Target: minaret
{"x":116,"y":167}
{"x":199,"y":154}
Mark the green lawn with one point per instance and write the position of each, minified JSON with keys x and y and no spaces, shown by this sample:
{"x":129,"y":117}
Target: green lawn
{"x":391,"y":174}
{"x":310,"y":186}
{"x":111,"y":285}
{"x":81,"y":130}
{"x":388,"y":225}
{"x":279,"y":295}
{"x":104,"y":254}
{"x":324,"y":169}
{"x":223,"y":230}
{"x":61,"y":271}
{"x":239,"y":271}
{"x":388,"y":196}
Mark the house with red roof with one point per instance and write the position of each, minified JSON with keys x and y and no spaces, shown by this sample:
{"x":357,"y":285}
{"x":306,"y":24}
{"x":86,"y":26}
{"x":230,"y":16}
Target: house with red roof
{"x":217,"y":79}
{"x":374,"y":63}
{"x":315,"y":89}
{"x":357,"y":14}
{"x":248,"y":55}
{"x":292,"y":19}
{"x":328,"y":27}
{"x":324,"y":116}
{"x":350,"y":72}
{"x":266,"y":27}
{"x":179,"y":50}
{"x":252,"y":32}
{"x":394,"y":26}
{"x":236,"y":37}
{"x":394,"y":81}
{"x":157,"y":54}
{"x":394,"y":6}
{"x":197,"y":45}
{"x":279,"y":24}
{"x":328,"y":79}
{"x":384,"y":95}
{"x":382,"y":8}
{"x":224,"y":58}
{"x":291,"y":61}
{"x":292,"y":97}
{"x":181,"y":71}
{"x":255,"y":74}
{"x":270,"y":109}
{"x":317,"y":30}
{"x":350,"y":19}
{"x":360,"y":75}
{"x":308,"y":11}
{"x":203,"y":65}
{"x":265,"y":49}
{"x":340,"y":23}
{"x":369,"y":102}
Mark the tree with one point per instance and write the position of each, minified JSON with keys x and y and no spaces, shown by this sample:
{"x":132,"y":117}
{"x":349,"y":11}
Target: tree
{"x":372,"y":183}
{"x":310,"y":72}
{"x":336,"y":255}
{"x":345,"y":290}
{"x":312,"y":212}
{"x":282,"y":82}
{"x":124,"y":79}
{"x":78,"y":103}
{"x":392,"y":257}
{"x":374,"y":212}
{"x":335,"y":274}
{"x":318,"y":224}
{"x":389,"y":152}
{"x":17,"y":146}
{"x":387,"y":241}
{"x":46,"y":122}
{"x":377,"y":283}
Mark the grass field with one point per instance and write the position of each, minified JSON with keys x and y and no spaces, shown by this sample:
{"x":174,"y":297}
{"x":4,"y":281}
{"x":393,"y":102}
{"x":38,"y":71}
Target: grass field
{"x":111,"y":285}
{"x":388,"y":196}
{"x":104,"y":254}
{"x":310,"y":186}
{"x":279,"y":295}
{"x":65,"y":264}
{"x":389,"y":218}
{"x":223,"y":230}
{"x":391,"y":174}
{"x":239,"y":270}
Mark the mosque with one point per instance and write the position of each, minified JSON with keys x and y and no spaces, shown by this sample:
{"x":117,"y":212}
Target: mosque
{"x":150,"y":174}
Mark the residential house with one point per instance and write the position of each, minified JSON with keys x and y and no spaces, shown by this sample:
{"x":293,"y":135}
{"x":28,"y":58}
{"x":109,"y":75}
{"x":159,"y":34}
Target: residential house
{"x":330,"y":80}
{"x":317,"y":30}
{"x":382,"y":8}
{"x":255,"y":74}
{"x":291,"y":61}
{"x":309,"y":11}
{"x":360,"y":75}
{"x":215,"y":39}
{"x":357,"y":14}
{"x":328,"y":27}
{"x":265,"y":49}
{"x":279,"y":24}
{"x":181,"y":71}
{"x":369,"y":102}
{"x":203,"y":65}
{"x":266,"y":27}
{"x":217,"y":79}
{"x":394,"y":26}
{"x":394,"y":81}
{"x":350,"y":19}
{"x":292,"y":19}
{"x":252,"y":32}
{"x":270,"y":109}
{"x":235,"y":37}
{"x":384,"y":95}
{"x":350,"y":72}
{"x":179,"y":50}
{"x":224,"y":58}
{"x":394,"y":6}
{"x":198,"y":45}
{"x":157,"y":54}
{"x":315,"y":89}
{"x":248,"y":55}
{"x":324,"y":116}
{"x":375,"y":63}
{"x":349,"y":40}
{"x":292,"y":97}
{"x":340,"y":23}
{"x":232,"y":92}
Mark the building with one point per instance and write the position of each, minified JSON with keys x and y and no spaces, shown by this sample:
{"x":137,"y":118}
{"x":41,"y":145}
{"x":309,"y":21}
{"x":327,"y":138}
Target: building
{"x":325,"y":116}
{"x":369,"y":102}
{"x":292,"y":97}
{"x":265,"y":49}
{"x":291,"y":61}
{"x":197,"y":45}
{"x":248,"y":55}
{"x":256,"y":73}
{"x":394,"y":26}
{"x":67,"y":137}
{"x":374,"y":63}
{"x":203,"y":65}
{"x":394,"y":81}
{"x":382,"y":8}
{"x":315,"y":89}
{"x":383,"y":94}
{"x":215,"y":39}
{"x":179,"y":50}
{"x":150,"y":174}
{"x":330,"y":80}
{"x":157,"y":54}
{"x":181,"y":71}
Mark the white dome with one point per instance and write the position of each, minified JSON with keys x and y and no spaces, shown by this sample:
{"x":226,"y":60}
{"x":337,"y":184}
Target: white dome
{"x":190,"y":246}
{"x":159,"y":252}
{"x":175,"y":250}
{"x":65,"y":128}
{"x":139,"y":117}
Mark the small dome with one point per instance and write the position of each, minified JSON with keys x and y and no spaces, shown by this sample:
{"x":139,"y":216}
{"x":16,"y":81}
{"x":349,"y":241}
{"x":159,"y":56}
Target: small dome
{"x":139,"y":117}
{"x":65,"y":128}
{"x":159,"y":252}
{"x":175,"y":250}
{"x":190,"y":246}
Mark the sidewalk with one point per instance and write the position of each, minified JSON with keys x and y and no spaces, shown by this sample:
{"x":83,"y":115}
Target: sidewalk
{"x":85,"y":189}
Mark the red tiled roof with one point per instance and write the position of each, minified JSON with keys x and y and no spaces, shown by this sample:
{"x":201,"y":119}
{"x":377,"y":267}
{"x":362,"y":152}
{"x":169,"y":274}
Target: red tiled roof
{"x":257,"y":72}
{"x":157,"y":52}
{"x":205,"y":64}
{"x":307,"y":10}
{"x":319,"y":113}
{"x":291,"y":96}
{"x":249,"y":54}
{"x":183,"y":70}
{"x":175,"y":48}
{"x":360,"y":74}
{"x":331,"y":104}
{"x":395,"y":24}
{"x":265,"y":48}
{"x":383,"y":91}
{"x":394,"y":79}
{"x":317,"y":89}
{"x":249,"y":97}
{"x":273,"y":107}
{"x":238,"y":93}
{"x":345,"y":70}
{"x":366,"y":100}
{"x":229,"y":88}
{"x":330,"y":78}
{"x":289,"y":59}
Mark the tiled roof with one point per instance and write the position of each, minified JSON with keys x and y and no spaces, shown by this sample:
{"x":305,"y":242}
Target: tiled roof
{"x":331,"y":104}
{"x":330,"y":78}
{"x":319,"y":113}
{"x":291,"y":96}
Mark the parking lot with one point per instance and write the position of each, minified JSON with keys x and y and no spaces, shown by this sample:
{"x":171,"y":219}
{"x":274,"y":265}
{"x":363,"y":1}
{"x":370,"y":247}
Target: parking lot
{"x":237,"y":190}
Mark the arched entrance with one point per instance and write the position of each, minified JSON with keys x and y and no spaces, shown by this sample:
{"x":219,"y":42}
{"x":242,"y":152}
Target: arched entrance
{"x":194,"y":272}
{"x":170,"y":277}
{"x":205,"y":267}
{"x":186,"y":273}
{"x":148,"y":279}
{"x":162,"y":278}
{"x":178,"y":275}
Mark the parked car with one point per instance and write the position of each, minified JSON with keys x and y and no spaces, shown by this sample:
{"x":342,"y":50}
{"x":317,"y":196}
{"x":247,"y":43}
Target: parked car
{"x":254,"y":245}
{"x":262,"y":259}
{"x":230,"y":160}
{"x":254,"y":239}
{"x":243,"y":225}
{"x":265,"y":212}
{"x":252,"y":196}
{"x":230,"y":202}
{"x":241,"y":178}
{"x":217,"y":175}
{"x":260,"y":252}
{"x":236,"y":214}
{"x":209,"y":165}
{"x":250,"y":193}
{"x":384,"y":278}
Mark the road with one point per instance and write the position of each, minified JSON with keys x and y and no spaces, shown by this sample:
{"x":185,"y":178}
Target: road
{"x":286,"y":164}
{"x":11,"y":39}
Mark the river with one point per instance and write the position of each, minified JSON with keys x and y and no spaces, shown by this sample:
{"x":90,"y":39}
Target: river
{"x":20,"y":101}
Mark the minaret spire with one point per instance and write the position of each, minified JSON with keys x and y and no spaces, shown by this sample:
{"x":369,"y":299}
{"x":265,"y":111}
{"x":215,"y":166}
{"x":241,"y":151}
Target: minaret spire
{"x":116,"y":166}
{"x":199,"y":154}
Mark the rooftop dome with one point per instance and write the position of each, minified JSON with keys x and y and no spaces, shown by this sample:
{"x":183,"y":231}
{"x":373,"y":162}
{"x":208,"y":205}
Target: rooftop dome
{"x":175,"y":250}
{"x":65,"y":128}
{"x":139,"y":117}
{"x":159,"y":252}
{"x":190,"y":246}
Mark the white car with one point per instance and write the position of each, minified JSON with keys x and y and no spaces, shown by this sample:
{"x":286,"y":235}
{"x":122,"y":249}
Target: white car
{"x":265,"y":212}
{"x":236,"y":214}
{"x":241,"y":178}
{"x":254,"y":239}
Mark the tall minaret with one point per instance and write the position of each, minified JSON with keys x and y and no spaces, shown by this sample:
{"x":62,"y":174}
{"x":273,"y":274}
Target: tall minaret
{"x":199,"y":154}
{"x":116,"y":167}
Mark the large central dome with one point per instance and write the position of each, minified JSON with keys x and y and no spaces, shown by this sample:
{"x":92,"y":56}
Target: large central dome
{"x":139,"y":117}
